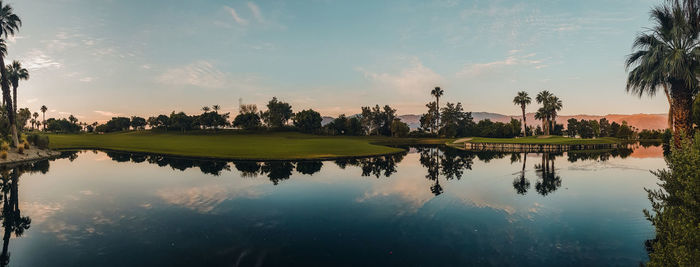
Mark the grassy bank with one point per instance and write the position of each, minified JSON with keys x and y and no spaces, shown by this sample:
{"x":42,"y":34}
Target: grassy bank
{"x":233,"y":145}
{"x":552,"y":140}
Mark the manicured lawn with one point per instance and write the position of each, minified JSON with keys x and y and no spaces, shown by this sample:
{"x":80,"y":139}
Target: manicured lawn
{"x":554,"y":140}
{"x":233,"y":145}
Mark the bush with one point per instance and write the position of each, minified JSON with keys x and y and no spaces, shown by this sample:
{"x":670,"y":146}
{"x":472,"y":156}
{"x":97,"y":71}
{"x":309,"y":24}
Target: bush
{"x":20,"y":149}
{"x":3,"y":154}
{"x":4,"y":146}
{"x":40,"y":141}
{"x":25,"y":144}
{"x":676,"y":208}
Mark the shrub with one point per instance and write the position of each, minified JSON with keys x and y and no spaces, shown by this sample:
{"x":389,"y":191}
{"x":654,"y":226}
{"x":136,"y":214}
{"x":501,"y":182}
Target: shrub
{"x":4,"y":146}
{"x":25,"y":144}
{"x":40,"y":141}
{"x":3,"y":154}
{"x":20,"y":149}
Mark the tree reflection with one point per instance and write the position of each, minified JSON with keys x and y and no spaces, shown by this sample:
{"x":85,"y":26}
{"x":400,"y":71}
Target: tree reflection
{"x":374,"y":166}
{"x":277,"y":170}
{"x":521,"y":184}
{"x":309,"y":167}
{"x":12,"y":220}
{"x":447,"y":162}
{"x":549,"y":181}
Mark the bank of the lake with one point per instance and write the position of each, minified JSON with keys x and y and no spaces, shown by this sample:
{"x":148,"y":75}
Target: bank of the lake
{"x":535,"y":144}
{"x":28,"y":155}
{"x":236,"y":145}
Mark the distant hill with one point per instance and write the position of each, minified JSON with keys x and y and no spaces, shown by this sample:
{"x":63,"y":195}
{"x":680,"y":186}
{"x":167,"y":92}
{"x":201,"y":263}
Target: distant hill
{"x":641,"y":121}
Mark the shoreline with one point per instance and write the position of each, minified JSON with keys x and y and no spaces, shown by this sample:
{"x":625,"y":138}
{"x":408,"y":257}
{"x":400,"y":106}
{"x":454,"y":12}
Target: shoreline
{"x":30,"y":155}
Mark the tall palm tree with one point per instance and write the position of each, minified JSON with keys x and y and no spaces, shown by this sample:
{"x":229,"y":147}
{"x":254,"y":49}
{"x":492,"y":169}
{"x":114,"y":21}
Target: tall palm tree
{"x":216,"y":108}
{"x":205,"y":109}
{"x":9,"y":24}
{"x":668,"y":55}
{"x":43,"y":118}
{"x":541,"y":114}
{"x":542,"y":98}
{"x":16,"y":72}
{"x":437,"y":92}
{"x":553,"y":106}
{"x":523,"y":99}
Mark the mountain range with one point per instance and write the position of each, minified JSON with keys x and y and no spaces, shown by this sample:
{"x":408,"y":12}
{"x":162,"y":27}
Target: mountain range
{"x":640,"y":121}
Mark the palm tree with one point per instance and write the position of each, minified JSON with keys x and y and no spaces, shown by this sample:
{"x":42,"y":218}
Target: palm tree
{"x":523,"y":100}
{"x":553,"y":105}
{"x":16,"y":72}
{"x":541,"y":114}
{"x":542,"y":98}
{"x":9,"y":23}
{"x":216,"y":108}
{"x":668,"y":55}
{"x":205,"y":109}
{"x":43,"y":118}
{"x":437,"y":92}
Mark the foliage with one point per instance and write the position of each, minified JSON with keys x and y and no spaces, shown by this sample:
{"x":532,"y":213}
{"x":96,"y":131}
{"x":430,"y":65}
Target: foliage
{"x":307,"y":121}
{"x":159,"y":122}
{"x":3,"y":154}
{"x":247,"y":121}
{"x":429,"y":121}
{"x":377,"y":120}
{"x":116,"y":124}
{"x":213,"y":119}
{"x":23,"y":116}
{"x":455,"y":122}
{"x":62,"y":126}
{"x":676,"y":208}
{"x":181,"y":121}
{"x":399,"y":128}
{"x":40,"y":141}
{"x":137,"y":122}
{"x":277,"y":114}
{"x":4,"y":146}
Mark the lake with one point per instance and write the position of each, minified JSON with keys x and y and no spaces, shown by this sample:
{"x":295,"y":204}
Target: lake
{"x":431,"y":206}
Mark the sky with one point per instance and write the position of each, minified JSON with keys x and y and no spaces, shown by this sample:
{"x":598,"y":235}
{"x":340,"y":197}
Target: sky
{"x":97,"y":59}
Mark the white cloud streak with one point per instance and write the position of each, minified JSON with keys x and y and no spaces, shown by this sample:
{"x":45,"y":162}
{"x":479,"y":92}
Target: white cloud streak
{"x":235,"y":16}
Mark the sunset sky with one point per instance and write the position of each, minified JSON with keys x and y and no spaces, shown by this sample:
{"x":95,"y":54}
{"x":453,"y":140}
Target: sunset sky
{"x":101,"y":58}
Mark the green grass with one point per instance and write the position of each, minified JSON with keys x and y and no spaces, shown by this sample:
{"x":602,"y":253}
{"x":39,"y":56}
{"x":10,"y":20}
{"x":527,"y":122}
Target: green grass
{"x":553,"y":140}
{"x":233,"y":145}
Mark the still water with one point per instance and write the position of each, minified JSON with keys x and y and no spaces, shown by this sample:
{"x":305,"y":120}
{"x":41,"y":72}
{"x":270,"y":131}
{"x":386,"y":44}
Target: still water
{"x":432,"y":206}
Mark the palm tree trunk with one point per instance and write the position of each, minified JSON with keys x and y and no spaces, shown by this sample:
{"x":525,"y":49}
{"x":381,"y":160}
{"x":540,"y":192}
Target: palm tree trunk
{"x":682,"y":105}
{"x":670,"y":107}
{"x":4,"y":84}
{"x":43,"y":120}
{"x":14,"y":98}
{"x":524,"y":122}
{"x":437,"y":106}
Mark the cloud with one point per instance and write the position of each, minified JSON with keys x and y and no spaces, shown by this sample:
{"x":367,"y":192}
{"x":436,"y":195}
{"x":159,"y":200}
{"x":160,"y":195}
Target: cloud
{"x":87,"y":79}
{"x":107,"y":113}
{"x":201,"y":74}
{"x":514,"y":59}
{"x":235,"y":16}
{"x":256,"y":12}
{"x":37,"y":60}
{"x":32,"y":100}
{"x":409,"y":81}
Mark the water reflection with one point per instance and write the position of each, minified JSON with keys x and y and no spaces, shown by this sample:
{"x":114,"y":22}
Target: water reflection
{"x":476,"y":220}
{"x":440,"y":162}
{"x":12,"y":220}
